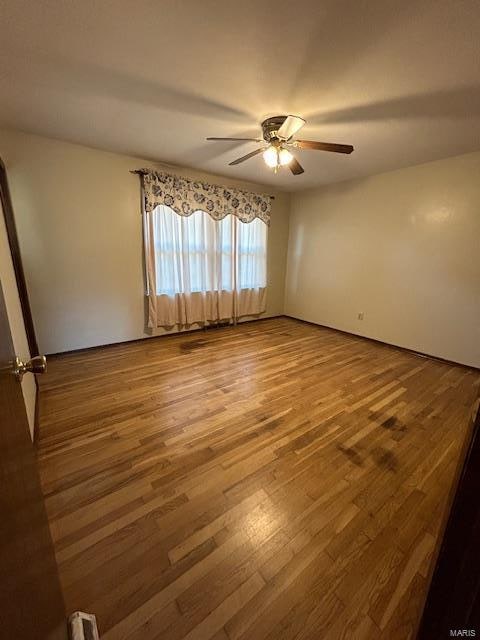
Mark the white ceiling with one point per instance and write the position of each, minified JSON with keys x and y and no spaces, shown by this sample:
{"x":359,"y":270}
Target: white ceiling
{"x":400,"y":80}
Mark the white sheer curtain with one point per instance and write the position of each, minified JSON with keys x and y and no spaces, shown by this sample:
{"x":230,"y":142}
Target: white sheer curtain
{"x":202,"y":270}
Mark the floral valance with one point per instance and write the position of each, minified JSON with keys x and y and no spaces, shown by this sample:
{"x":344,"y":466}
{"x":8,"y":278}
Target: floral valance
{"x":185,"y":196}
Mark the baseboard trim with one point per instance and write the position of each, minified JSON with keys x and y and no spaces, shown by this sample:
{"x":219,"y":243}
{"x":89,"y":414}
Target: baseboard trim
{"x":386,"y":344}
{"x":225,"y":326}
{"x":176,"y":334}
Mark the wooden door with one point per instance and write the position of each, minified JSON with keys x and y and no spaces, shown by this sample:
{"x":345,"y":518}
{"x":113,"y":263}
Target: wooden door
{"x":453,"y":603}
{"x":31,"y":602}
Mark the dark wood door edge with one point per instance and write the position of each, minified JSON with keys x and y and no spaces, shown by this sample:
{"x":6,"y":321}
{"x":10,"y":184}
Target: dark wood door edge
{"x":17,"y":260}
{"x":36,"y":419}
{"x":453,"y":600}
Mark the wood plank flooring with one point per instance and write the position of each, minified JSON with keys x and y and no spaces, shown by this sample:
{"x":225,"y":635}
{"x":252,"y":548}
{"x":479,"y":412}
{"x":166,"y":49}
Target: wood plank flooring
{"x":274,"y":480}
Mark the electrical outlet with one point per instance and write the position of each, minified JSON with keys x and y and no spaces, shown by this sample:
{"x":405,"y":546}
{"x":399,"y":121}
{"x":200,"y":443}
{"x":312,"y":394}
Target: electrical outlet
{"x":360,"y":315}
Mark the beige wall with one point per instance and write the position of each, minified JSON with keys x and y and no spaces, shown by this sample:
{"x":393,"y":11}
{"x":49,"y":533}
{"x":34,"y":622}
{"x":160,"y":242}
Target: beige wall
{"x":79,"y":224}
{"x":15,"y":318}
{"x":401,"y":247}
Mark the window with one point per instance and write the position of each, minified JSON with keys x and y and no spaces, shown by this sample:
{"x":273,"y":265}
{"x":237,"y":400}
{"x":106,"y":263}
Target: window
{"x":199,"y":254}
{"x":252,"y":254}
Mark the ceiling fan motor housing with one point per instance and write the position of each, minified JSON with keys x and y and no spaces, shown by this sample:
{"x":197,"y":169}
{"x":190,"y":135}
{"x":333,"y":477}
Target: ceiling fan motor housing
{"x":270,"y":126}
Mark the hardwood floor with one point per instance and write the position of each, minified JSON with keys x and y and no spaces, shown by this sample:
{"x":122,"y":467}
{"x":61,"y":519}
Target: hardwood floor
{"x":275,"y":480}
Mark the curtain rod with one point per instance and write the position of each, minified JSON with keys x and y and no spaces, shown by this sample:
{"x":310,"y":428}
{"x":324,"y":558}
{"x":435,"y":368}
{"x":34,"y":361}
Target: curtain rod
{"x":141,"y":172}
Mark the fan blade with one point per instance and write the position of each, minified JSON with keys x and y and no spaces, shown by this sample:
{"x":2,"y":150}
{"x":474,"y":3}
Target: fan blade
{"x":248,"y":156}
{"x":249,"y":139}
{"x":295,"y":167}
{"x":324,"y":146}
{"x":289,"y":128}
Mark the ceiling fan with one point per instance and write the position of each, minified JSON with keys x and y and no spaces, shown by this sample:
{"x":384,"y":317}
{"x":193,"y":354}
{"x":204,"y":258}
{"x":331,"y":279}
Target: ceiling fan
{"x":278,"y":133}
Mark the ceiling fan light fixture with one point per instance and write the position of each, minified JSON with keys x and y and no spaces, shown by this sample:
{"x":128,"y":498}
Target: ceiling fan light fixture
{"x":278,"y":136}
{"x":284,"y":157}
{"x":270,"y":155}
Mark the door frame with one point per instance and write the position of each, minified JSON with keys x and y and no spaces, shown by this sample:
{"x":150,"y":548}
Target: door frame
{"x":9,"y":217}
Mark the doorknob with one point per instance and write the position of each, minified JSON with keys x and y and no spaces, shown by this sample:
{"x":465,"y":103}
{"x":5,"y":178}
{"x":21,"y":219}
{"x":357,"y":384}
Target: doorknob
{"x":37,"y":364}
